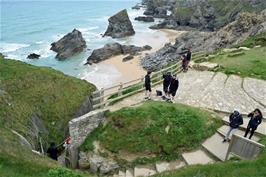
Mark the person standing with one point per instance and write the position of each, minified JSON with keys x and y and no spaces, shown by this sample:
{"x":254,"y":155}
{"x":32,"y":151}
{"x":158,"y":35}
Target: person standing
{"x":173,"y":88}
{"x":235,"y":120}
{"x":147,"y":84}
{"x":53,"y":151}
{"x":186,"y":59}
{"x":255,"y":120}
{"x":166,"y":83}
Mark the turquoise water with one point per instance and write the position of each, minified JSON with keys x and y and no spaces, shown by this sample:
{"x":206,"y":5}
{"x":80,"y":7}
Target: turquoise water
{"x":28,"y":27}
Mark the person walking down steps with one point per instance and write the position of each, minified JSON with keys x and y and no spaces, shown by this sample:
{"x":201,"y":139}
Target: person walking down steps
{"x":255,"y":120}
{"x":235,"y":120}
{"x":147,"y":84}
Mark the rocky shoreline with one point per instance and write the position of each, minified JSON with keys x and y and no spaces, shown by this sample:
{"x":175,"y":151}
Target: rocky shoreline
{"x":201,"y":37}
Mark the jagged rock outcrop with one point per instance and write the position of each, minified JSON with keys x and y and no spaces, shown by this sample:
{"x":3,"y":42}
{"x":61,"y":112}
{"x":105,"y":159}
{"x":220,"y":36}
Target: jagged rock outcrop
{"x":33,"y":56}
{"x":114,"y":49}
{"x":145,"y":18}
{"x":97,"y":164}
{"x":202,"y":14}
{"x":119,"y":25}
{"x":69,"y":45}
{"x":245,"y":25}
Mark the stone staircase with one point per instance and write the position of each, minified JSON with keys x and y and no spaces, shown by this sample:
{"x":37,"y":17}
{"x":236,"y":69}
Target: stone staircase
{"x":213,"y":150}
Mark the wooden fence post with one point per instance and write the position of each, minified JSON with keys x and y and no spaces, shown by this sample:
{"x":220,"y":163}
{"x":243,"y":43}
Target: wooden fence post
{"x":102,"y":99}
{"x":120,"y":89}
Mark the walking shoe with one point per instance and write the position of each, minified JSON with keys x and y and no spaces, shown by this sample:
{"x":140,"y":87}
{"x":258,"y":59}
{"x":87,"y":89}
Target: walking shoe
{"x":146,"y":98}
{"x":224,"y":140}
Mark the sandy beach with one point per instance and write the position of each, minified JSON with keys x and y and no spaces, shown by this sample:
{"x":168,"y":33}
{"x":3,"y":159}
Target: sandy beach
{"x":132,"y":69}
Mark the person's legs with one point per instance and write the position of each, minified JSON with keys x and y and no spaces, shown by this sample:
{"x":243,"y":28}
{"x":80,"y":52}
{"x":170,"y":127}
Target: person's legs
{"x":230,"y":131}
{"x":246,"y":133}
{"x":251,"y":133}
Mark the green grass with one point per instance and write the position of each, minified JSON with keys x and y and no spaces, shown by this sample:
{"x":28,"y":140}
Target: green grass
{"x":251,"y":64}
{"x":27,"y":90}
{"x":51,"y":95}
{"x":245,"y":168}
{"x":252,"y":41}
{"x":17,"y":161}
{"x":142,"y":130}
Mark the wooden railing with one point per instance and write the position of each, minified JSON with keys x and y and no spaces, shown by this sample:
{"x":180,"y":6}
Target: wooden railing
{"x":107,"y":96}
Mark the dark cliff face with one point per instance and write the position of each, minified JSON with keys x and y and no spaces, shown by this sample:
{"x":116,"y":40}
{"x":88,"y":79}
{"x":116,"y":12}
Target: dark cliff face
{"x":203,"y":14}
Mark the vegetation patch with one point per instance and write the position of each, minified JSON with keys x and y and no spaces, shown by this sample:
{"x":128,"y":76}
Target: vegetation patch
{"x":252,"y":64}
{"x":27,"y":91}
{"x":161,"y":129}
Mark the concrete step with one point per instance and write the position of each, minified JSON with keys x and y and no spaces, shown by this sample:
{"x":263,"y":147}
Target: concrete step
{"x":197,"y":157}
{"x":129,"y":173}
{"x":215,"y":146}
{"x":145,"y":170}
{"x":120,"y":174}
{"x":167,"y":166}
{"x":260,"y":130}
{"x":224,"y":129}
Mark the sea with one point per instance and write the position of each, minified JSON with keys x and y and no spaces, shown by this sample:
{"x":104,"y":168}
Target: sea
{"x":31,"y":26}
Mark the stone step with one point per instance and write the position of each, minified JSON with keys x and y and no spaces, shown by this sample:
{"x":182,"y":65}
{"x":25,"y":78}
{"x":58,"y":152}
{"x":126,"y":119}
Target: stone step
{"x":197,"y":157}
{"x":129,"y":173}
{"x":215,"y":146}
{"x":224,"y":129}
{"x":260,"y":130}
{"x":167,"y":166}
{"x":145,"y":170}
{"x":120,"y":174}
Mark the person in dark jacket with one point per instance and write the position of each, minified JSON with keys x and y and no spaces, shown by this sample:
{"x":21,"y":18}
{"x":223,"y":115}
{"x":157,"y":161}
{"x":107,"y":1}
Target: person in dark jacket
{"x":235,"y":120}
{"x":173,"y":87}
{"x":255,"y":120}
{"x":166,"y":83}
{"x":186,"y":59}
{"x":147,"y":84}
{"x":52,"y":151}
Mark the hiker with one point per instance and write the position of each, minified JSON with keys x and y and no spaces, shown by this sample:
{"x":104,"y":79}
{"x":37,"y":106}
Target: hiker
{"x":173,"y":88}
{"x":52,"y":151}
{"x":255,"y":120}
{"x":147,"y":85}
{"x":166,"y":83}
{"x":186,"y":59}
{"x":235,"y":120}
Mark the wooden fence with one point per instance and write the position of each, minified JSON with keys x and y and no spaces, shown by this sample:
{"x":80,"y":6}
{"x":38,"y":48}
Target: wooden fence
{"x":244,"y":148}
{"x":107,"y":96}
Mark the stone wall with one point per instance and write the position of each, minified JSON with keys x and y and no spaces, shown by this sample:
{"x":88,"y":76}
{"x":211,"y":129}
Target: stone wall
{"x":82,"y":126}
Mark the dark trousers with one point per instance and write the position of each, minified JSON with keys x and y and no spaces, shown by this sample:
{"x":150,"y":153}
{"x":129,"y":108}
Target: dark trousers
{"x":251,"y":132}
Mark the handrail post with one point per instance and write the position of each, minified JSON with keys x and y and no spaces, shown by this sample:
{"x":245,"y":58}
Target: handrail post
{"x":120,"y":89}
{"x":102,"y":99}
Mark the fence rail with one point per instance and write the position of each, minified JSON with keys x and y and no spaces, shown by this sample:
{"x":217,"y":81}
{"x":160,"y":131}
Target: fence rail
{"x":107,"y":96}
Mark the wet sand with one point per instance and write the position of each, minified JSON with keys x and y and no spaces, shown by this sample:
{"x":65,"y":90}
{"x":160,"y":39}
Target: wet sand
{"x":132,"y":69}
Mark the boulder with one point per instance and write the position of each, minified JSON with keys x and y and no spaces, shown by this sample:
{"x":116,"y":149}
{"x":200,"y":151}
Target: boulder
{"x":101,"y":164}
{"x":113,"y":49}
{"x":127,"y":58}
{"x":136,"y":7}
{"x":145,"y":18}
{"x":205,"y":66}
{"x":119,"y":25}
{"x":69,"y":45}
{"x":33,"y":56}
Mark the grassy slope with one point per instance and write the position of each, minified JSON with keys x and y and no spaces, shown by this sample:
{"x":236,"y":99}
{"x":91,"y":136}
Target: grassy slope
{"x":251,"y":64}
{"x":142,"y":129}
{"x":253,"y":168}
{"x":24,"y":90}
{"x":27,"y":89}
